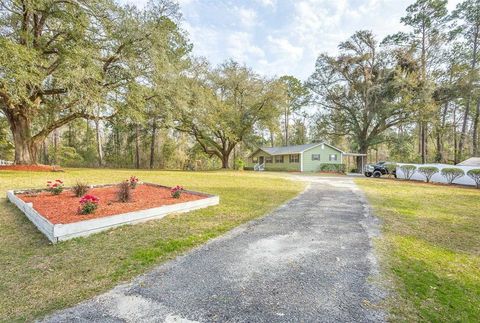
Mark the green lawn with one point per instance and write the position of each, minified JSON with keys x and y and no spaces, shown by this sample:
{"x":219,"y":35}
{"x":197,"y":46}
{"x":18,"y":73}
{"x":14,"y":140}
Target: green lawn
{"x":38,"y":278}
{"x":430,"y":249}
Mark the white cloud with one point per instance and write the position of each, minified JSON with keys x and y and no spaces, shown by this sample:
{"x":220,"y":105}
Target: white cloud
{"x":240,"y":46}
{"x":284,"y":37}
{"x":184,"y":3}
{"x":247,"y":17}
{"x":205,"y":40}
{"x":283,"y":47}
{"x":267,"y":3}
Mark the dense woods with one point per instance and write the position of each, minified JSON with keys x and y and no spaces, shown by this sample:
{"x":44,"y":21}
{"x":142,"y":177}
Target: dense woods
{"x":92,"y":83}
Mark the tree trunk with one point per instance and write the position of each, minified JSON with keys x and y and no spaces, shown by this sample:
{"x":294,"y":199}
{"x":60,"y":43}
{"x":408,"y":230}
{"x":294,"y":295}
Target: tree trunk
{"x":475,"y":130}
{"x":423,"y":143}
{"x":117,"y":140}
{"x":287,"y":117}
{"x":420,"y":138}
{"x":225,"y":157}
{"x":439,"y":155}
{"x":463,"y":134}
{"x":440,"y":134}
{"x":225,"y":153}
{"x":137,"y":147}
{"x":55,"y":146}
{"x":25,"y":148}
{"x":44,"y":152}
{"x":360,"y":159}
{"x":99,"y":143}
{"x":152,"y":143}
{"x":455,"y":141}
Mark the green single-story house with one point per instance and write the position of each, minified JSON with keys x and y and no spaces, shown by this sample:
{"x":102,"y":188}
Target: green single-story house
{"x":300,"y":158}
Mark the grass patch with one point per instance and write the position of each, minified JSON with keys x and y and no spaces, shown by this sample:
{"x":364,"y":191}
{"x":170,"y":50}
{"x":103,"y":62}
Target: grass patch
{"x":430,"y":249}
{"x":38,"y":278}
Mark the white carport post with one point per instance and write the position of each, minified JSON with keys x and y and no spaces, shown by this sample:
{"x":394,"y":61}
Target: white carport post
{"x":362,"y":163}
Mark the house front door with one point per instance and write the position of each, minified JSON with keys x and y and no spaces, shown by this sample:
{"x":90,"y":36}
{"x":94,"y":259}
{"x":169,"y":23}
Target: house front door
{"x":261,"y":160}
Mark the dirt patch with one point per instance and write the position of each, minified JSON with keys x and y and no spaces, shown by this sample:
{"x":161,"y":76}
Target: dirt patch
{"x":63,"y":208}
{"x":32,"y":168}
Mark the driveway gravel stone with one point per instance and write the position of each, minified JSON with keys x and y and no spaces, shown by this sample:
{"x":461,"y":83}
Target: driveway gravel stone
{"x":311,"y":260}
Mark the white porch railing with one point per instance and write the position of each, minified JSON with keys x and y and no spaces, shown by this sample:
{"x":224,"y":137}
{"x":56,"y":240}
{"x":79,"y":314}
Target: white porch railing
{"x":259,"y":167}
{"x":5,"y":162}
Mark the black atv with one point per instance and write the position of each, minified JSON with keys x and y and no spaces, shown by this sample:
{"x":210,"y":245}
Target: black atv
{"x":377,"y":170}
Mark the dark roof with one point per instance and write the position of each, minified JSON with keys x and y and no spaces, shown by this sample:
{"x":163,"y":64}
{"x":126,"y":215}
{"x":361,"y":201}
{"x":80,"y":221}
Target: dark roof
{"x":474,"y":161}
{"x":287,"y":150}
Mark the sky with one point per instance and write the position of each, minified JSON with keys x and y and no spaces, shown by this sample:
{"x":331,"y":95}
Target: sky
{"x":278,"y":37}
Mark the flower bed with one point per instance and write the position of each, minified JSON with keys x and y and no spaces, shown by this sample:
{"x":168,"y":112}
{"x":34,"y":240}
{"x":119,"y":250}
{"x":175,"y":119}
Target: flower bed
{"x":58,"y":216}
{"x":31,"y":168}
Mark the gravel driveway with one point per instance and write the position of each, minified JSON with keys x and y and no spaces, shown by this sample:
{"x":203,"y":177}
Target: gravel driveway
{"x":310,"y":260}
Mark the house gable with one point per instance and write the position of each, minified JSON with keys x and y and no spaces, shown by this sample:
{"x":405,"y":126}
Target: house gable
{"x":321,"y":154}
{"x":324,"y":145}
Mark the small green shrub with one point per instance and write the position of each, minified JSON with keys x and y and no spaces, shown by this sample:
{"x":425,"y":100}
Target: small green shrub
{"x":124,"y":193}
{"x":133,"y":182}
{"x":475,"y":175}
{"x":176,"y":191}
{"x":239,"y":164}
{"x":88,"y":204}
{"x":428,"y":172}
{"x":408,"y":170}
{"x":452,"y":174}
{"x":391,"y":167}
{"x":55,"y":187}
{"x":333,"y":168}
{"x":80,"y":189}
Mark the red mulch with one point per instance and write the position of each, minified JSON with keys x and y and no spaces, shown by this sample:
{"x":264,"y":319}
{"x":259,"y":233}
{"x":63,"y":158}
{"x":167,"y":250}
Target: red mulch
{"x":63,"y":208}
{"x":32,"y":168}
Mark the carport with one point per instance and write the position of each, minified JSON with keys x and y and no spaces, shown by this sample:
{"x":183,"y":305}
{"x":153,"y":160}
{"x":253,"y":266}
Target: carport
{"x":354,"y":157}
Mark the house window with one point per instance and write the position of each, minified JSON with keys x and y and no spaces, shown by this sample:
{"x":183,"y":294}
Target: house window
{"x":279,"y":159}
{"x":294,"y":158}
{"x":268,"y":159}
{"x":333,"y":157}
{"x":255,"y":160}
{"x":315,"y":156}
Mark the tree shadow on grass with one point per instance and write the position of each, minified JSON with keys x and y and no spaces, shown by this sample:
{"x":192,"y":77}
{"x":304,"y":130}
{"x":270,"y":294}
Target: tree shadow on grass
{"x":442,"y":285}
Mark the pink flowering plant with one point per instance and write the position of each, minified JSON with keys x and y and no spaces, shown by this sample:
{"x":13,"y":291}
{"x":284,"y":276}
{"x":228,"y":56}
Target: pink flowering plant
{"x":133,"y":181}
{"x":176,"y":191}
{"x":88,"y":204}
{"x":55,"y":187}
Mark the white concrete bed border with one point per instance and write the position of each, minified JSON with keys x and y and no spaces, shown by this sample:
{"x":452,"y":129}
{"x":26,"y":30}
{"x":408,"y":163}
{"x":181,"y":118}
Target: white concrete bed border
{"x":61,"y":232}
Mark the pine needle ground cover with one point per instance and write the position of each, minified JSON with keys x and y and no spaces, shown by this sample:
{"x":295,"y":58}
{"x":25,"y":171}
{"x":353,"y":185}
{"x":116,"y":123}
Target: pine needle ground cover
{"x":38,"y":278}
{"x":430,"y":249}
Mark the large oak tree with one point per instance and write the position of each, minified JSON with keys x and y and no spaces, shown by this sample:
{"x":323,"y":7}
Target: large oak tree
{"x":62,"y":60}
{"x":222,"y":106}
{"x":361,"y":92}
